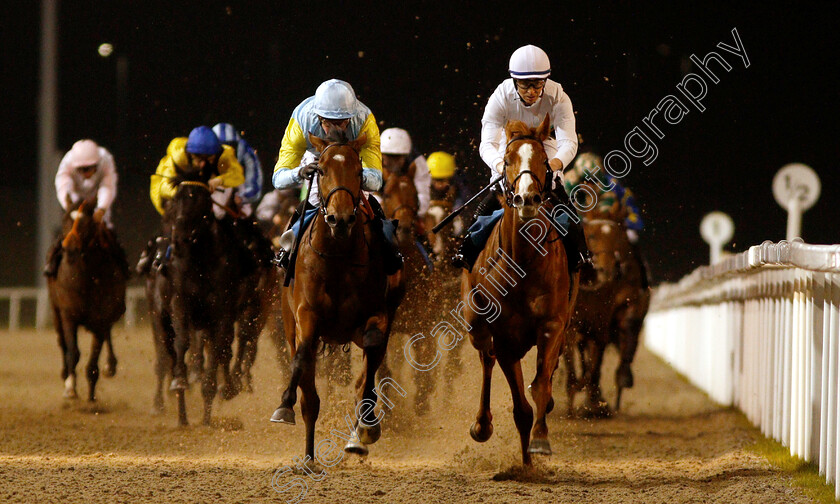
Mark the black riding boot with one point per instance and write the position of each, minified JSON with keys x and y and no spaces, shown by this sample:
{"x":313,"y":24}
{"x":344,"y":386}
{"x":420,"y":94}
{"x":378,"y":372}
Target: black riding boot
{"x":53,"y":259}
{"x":163,"y":250}
{"x":468,"y":251}
{"x":580,"y":259}
{"x":392,"y":258}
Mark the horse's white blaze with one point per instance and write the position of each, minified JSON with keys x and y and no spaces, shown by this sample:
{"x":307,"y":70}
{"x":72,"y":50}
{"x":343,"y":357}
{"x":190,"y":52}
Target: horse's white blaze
{"x":436,"y":212}
{"x":339,"y":158}
{"x":606,"y":228}
{"x":525,"y":152}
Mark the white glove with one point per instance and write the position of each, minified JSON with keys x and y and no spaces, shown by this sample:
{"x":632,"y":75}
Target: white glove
{"x":632,"y":235}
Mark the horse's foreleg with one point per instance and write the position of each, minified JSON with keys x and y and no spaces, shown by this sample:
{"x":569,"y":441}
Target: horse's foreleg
{"x":523,"y":414}
{"x":595,"y":404}
{"x":92,"y":369}
{"x":628,"y":339}
{"x":310,"y":403}
{"x":549,"y":345}
{"x":285,"y":413}
{"x":224,"y":355}
{"x":368,"y":430}
{"x":71,"y":356}
{"x":62,"y":345}
{"x":179,"y":369}
{"x":215,"y":357}
{"x":164,"y":356}
{"x":111,"y":360}
{"x":483,"y":427}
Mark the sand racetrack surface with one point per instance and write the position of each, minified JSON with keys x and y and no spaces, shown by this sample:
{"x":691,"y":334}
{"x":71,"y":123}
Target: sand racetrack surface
{"x":669,"y":444}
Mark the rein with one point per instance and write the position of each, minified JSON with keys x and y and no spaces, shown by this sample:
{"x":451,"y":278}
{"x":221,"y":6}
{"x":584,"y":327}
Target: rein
{"x":509,"y":187}
{"x":226,"y":208}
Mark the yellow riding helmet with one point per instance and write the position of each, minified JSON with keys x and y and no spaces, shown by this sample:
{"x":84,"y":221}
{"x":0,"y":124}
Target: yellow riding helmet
{"x":441,"y":165}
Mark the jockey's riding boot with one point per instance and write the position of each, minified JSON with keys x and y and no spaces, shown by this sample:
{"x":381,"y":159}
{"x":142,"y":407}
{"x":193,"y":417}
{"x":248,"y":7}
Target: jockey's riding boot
{"x":579,"y":257}
{"x":287,"y":242}
{"x":53,"y":260}
{"x":468,"y":251}
{"x":392,"y":258}
{"x":144,"y":264}
{"x":162,"y":252}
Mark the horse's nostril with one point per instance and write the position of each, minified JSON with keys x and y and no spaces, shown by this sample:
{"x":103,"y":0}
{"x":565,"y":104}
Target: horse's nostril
{"x":351,"y":220}
{"x":537,"y":199}
{"x":331,"y":220}
{"x":518,"y":200}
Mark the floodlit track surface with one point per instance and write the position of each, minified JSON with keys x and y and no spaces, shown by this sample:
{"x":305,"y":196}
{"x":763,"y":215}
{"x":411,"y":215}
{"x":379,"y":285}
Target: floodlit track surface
{"x":669,"y":444}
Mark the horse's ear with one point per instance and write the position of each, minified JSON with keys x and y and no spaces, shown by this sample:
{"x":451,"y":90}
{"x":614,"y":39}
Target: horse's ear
{"x":509,"y":127}
{"x":317,"y":143}
{"x":358,"y":143}
{"x":68,"y":201}
{"x":412,"y":170}
{"x":386,"y":174}
{"x":544,"y":128}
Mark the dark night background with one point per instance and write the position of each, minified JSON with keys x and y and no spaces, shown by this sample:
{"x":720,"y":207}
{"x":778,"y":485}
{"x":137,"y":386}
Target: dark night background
{"x":430,"y":69}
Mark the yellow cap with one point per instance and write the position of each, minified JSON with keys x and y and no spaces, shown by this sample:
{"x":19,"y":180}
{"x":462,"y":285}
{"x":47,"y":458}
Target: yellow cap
{"x":441,"y":165}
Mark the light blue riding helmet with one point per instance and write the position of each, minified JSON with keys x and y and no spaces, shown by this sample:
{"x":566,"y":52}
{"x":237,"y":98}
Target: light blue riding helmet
{"x":335,"y":99}
{"x":227,"y":133}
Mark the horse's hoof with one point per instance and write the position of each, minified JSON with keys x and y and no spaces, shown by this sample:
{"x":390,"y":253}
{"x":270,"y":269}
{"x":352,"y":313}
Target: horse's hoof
{"x":624,"y":376}
{"x":70,"y":394}
{"x":110,"y":370}
{"x":539,"y":447}
{"x":283,"y":415}
{"x":356,"y":446}
{"x":550,"y":406}
{"x":481,"y":434}
{"x":179,"y":384}
{"x":369,"y":435}
{"x":598,"y":409}
{"x":229,"y":391}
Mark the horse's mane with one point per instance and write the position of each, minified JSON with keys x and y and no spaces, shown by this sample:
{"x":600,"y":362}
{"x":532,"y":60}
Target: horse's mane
{"x":516,"y":129}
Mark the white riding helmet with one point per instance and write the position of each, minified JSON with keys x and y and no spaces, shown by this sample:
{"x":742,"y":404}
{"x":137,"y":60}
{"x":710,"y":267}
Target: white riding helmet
{"x":335,"y":99}
{"x":227,"y":133}
{"x":85,"y":153}
{"x":529,"y":62}
{"x":395,"y":141}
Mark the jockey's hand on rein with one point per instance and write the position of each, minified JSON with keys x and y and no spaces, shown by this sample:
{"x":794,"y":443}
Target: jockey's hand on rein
{"x":309,"y":170}
{"x":214,"y":183}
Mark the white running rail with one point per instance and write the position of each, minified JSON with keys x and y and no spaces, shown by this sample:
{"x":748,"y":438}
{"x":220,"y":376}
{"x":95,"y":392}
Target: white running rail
{"x":15,"y":295}
{"x":761,"y":330}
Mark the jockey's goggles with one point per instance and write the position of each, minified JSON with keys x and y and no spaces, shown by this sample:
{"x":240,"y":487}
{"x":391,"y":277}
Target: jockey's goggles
{"x":335,"y":123}
{"x":87,"y":168}
{"x":526,"y":84}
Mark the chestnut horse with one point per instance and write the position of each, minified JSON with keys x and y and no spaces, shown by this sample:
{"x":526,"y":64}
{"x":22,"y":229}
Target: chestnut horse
{"x":411,"y":287}
{"x":611,"y":310}
{"x":88,"y":290}
{"x":519,"y":293}
{"x":338,"y":294}
{"x":442,"y":201}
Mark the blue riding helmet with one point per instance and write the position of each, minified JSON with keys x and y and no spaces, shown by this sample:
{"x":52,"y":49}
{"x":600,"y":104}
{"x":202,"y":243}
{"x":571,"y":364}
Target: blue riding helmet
{"x":226,"y":133}
{"x":204,"y":142}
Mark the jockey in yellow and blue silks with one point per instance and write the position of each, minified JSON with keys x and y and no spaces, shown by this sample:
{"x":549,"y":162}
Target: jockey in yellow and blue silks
{"x":588,"y":166}
{"x":249,"y":192}
{"x":333,"y":110}
{"x":200,"y":152}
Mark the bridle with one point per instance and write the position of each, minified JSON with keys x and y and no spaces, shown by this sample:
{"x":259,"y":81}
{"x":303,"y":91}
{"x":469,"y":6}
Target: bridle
{"x":324,"y":201}
{"x":509,"y":187}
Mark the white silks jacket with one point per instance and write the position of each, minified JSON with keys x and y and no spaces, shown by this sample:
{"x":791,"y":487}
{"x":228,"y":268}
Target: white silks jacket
{"x":506,"y":105}
{"x":103,"y":183}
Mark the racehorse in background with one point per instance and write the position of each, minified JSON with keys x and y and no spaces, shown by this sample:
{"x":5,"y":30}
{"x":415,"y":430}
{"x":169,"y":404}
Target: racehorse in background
{"x":610,"y":310}
{"x":88,"y":290}
{"x":520,"y":294}
{"x":338,"y":294}
{"x":411,"y":287}
{"x":194,"y":300}
{"x":441,"y":203}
